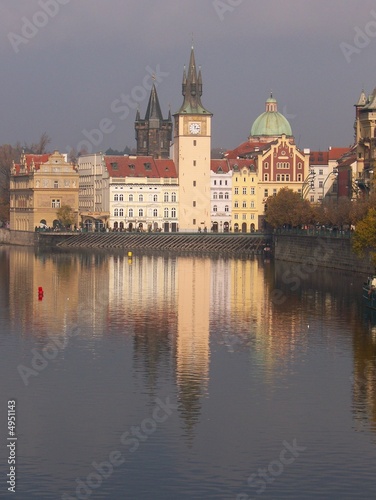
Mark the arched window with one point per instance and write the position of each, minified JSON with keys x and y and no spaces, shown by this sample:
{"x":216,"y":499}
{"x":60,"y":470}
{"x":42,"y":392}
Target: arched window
{"x":155,"y":197}
{"x":116,"y":212}
{"x":226,"y":196}
{"x":140,"y":212}
{"x":121,"y":212}
{"x":215,"y":196}
{"x":116,"y":197}
{"x":226,"y":208}
{"x":130,"y":197}
{"x":140,"y":197}
{"x":221,"y":196}
{"x":121,"y":197}
{"x":165,"y":198}
{"x":130,"y":212}
{"x":173,"y":196}
{"x":155,"y":212}
{"x":215,"y":208}
{"x":165,"y":213}
{"x":173,"y":212}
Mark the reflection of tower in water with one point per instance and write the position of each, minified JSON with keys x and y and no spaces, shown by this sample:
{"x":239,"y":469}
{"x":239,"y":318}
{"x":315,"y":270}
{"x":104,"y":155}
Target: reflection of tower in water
{"x":192,"y":343}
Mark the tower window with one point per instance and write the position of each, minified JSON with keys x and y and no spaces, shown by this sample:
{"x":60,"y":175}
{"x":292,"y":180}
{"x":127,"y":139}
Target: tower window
{"x":195,"y":143}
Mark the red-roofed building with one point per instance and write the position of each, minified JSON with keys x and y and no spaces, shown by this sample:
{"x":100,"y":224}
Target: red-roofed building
{"x":128,"y":193}
{"x":39,"y":186}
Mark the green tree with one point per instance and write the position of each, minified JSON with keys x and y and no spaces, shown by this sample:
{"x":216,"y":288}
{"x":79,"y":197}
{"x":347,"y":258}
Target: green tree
{"x":288,"y":207}
{"x":365,"y":236}
{"x":66,"y":215}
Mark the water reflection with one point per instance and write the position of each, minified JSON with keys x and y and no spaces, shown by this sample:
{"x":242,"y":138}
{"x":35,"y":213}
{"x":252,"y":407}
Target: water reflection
{"x":235,"y":342}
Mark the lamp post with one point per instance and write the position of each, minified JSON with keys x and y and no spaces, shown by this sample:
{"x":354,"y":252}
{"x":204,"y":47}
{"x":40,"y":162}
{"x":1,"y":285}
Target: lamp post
{"x":309,"y":183}
{"x":335,"y":173}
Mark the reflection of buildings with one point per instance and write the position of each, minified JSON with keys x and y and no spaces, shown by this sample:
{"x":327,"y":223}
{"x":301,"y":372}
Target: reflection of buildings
{"x":72,"y":293}
{"x":364,"y":381}
{"x":192,"y":342}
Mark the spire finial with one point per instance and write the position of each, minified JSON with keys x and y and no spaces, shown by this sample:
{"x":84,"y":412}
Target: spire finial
{"x":192,"y":39}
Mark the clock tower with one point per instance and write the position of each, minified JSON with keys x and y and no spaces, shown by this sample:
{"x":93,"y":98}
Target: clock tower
{"x":192,"y":145}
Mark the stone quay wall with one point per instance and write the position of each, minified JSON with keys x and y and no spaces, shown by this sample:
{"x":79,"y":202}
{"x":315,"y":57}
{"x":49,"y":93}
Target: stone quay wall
{"x":320,"y":251}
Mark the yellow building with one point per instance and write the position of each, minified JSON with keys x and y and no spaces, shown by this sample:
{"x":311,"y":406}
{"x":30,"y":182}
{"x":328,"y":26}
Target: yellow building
{"x":275,"y":162}
{"x":39,"y":186}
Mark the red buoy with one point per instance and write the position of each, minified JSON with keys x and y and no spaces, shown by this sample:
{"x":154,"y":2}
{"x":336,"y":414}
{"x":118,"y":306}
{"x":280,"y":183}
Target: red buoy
{"x":40,"y":293}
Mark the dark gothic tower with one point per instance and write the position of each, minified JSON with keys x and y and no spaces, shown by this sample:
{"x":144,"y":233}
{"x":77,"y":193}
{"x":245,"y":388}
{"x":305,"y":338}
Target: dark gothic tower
{"x":153,"y":133}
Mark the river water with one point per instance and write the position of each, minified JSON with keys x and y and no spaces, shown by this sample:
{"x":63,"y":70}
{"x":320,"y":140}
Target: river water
{"x":181,"y":377}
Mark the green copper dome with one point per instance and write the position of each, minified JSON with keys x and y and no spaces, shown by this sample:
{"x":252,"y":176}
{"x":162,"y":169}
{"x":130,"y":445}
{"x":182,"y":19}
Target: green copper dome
{"x":271,"y":122}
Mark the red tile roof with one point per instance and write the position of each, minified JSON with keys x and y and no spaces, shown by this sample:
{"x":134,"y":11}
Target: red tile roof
{"x":228,"y":164}
{"x":318,"y":157}
{"x":140,"y":166}
{"x":247,"y":148}
{"x":335,"y":153}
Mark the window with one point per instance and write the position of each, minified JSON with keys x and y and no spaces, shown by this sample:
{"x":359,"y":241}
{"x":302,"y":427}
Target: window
{"x":173,"y":212}
{"x":55,"y":203}
{"x":155,"y":212}
{"x":215,"y":183}
{"x":244,"y":216}
{"x":165,"y":197}
{"x":252,"y":190}
{"x":236,"y":216}
{"x":130,"y":212}
{"x":266,"y":165}
{"x":193,"y":203}
{"x":155,"y":197}
{"x":299,"y":165}
{"x":121,"y":197}
{"x":244,"y":204}
{"x":252,"y":204}
{"x":226,"y":196}
{"x":194,"y":222}
{"x":140,"y":212}
{"x":245,"y":190}
{"x":266,"y":177}
{"x":215,"y":208}
{"x":130,"y":198}
{"x":220,"y":196}
{"x":116,"y":197}
{"x":116,"y":212}
{"x":194,"y":163}
{"x":236,"y":204}
{"x":173,"y":197}
{"x":165,"y":213}
{"x":312,"y":198}
{"x":227,"y":208}
{"x":236,"y":191}
{"x":121,"y":212}
{"x":299,"y":178}
{"x":194,"y":183}
{"x":266,"y":193}
{"x":321,"y":171}
{"x":252,"y":216}
{"x":215,"y":196}
{"x":220,"y":183}
{"x":140,"y":197}
{"x":321,"y":184}
{"x":195,"y":143}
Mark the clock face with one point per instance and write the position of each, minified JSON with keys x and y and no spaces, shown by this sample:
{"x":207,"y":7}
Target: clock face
{"x":195,"y":128}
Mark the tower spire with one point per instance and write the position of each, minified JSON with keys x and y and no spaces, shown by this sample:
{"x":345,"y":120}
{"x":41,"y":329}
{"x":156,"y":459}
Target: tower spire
{"x":192,"y":89}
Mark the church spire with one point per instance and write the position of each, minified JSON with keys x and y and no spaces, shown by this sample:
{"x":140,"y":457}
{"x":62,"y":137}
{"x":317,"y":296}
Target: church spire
{"x":192,"y":89}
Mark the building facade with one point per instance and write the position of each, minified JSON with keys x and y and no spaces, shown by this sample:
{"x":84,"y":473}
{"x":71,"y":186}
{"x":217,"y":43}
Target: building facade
{"x":192,"y":146}
{"x":39,"y":186}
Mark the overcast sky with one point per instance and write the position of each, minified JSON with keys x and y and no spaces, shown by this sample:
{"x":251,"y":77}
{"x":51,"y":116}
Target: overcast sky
{"x":80,"y":65}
